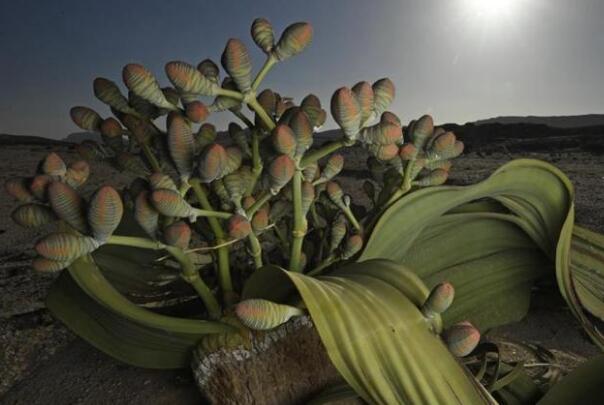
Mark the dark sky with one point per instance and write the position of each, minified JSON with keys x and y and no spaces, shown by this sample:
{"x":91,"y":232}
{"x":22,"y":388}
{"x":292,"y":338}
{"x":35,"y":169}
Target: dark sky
{"x":459,"y":60}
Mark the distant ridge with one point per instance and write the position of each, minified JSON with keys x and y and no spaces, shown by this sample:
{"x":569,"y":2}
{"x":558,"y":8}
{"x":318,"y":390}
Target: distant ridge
{"x":79,"y":137}
{"x":564,"y":121}
{"x":7,"y":139}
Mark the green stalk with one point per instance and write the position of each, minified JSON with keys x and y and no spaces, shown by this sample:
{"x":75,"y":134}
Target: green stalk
{"x":224,"y":274}
{"x":259,"y":203}
{"x":270,"y":61}
{"x":191,"y":276}
{"x":328,"y":261}
{"x":323,"y":151}
{"x":256,"y":160}
{"x":299,"y":230}
{"x":281,"y":237}
{"x":212,"y":213}
{"x":230,"y":93}
{"x":189,"y":272}
{"x":405,"y":185}
{"x":243,"y":118}
{"x":256,"y":250}
{"x":353,"y":221}
{"x":151,"y":157}
{"x":268,"y":121}
{"x":134,"y":241}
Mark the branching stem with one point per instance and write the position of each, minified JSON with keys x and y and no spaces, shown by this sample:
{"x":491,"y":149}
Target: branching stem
{"x":323,"y":151}
{"x":224,"y":274}
{"x":268,"y":64}
{"x":299,"y":229}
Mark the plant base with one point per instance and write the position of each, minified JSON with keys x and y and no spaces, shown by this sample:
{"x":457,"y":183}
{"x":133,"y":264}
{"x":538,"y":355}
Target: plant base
{"x":285,"y":366}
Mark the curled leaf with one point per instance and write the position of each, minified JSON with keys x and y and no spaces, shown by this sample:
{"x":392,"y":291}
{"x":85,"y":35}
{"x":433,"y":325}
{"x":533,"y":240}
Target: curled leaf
{"x":259,"y":314}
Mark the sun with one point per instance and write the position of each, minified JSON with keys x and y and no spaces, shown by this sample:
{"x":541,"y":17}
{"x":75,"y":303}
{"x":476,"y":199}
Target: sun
{"x":491,"y":9}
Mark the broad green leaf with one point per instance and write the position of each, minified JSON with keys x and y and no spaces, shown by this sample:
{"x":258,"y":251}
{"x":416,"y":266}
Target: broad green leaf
{"x":587,"y":267}
{"x":367,"y":315}
{"x":101,"y":315}
{"x":125,"y":340}
{"x":539,"y":199}
{"x":137,"y":274}
{"x":492,"y":267}
{"x":89,"y":277}
{"x":582,"y":386}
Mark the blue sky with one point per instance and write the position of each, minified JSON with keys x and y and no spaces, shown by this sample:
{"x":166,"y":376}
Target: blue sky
{"x":456,"y":59}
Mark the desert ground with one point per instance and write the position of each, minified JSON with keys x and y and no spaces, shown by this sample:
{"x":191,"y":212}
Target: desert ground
{"x":41,"y":361}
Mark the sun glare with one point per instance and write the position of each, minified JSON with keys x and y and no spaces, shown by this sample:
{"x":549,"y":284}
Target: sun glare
{"x":491,"y":9}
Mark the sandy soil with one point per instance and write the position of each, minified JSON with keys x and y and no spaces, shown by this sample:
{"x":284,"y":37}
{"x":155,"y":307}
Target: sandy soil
{"x":42,"y":362}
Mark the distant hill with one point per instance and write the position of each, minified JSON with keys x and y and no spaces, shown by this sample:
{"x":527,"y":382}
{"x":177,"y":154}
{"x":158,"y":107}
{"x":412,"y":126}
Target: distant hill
{"x":7,"y":139}
{"x":566,"y":121}
{"x":78,"y":137}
